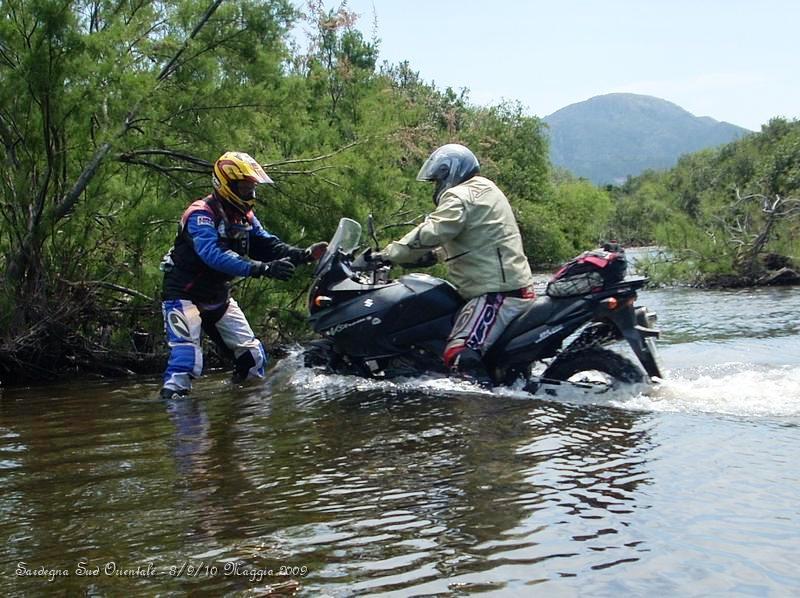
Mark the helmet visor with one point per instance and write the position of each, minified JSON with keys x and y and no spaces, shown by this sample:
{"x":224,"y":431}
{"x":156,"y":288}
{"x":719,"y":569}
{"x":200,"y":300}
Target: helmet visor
{"x":429,"y":168}
{"x":258,"y":176}
{"x":245,"y":191}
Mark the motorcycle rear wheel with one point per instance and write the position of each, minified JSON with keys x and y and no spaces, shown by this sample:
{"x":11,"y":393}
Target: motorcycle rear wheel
{"x":583,"y":366}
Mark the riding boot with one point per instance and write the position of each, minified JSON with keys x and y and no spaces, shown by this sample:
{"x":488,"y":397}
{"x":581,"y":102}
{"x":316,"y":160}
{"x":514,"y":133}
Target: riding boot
{"x":469,"y":366}
{"x":168,"y":394}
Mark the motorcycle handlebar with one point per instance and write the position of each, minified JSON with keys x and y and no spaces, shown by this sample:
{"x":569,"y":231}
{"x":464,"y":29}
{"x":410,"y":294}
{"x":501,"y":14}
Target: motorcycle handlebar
{"x":369,"y":260}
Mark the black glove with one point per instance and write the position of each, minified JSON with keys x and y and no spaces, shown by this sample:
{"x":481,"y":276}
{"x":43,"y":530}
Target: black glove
{"x":280,"y":269}
{"x":428,"y":259}
{"x":314,"y":252}
{"x":369,"y":260}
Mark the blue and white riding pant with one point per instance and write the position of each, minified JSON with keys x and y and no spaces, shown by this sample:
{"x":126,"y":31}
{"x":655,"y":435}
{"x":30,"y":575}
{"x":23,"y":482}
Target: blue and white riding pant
{"x":226,"y":325}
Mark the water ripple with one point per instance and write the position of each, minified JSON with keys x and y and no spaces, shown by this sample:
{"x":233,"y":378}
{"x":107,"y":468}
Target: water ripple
{"x":425,"y":487}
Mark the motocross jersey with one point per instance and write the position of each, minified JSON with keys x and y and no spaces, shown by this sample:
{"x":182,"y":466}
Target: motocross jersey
{"x":212,"y":247}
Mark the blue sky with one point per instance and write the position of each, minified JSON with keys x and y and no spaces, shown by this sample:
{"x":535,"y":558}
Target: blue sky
{"x":735,"y":60}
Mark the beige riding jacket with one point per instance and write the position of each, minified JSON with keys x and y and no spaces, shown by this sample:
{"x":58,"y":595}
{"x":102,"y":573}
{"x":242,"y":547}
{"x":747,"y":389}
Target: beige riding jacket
{"x":473,"y":230}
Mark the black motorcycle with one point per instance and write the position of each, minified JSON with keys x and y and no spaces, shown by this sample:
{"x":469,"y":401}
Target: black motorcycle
{"x":373,"y":326}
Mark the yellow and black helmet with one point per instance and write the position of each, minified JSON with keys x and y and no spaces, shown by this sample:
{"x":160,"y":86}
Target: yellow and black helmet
{"x":235,"y":177}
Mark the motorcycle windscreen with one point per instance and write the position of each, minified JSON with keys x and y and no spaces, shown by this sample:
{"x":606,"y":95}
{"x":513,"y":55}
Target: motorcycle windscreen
{"x":345,"y":239}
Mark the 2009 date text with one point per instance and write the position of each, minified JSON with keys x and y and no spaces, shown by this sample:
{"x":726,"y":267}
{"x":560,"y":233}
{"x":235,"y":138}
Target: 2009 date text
{"x":255,"y":574}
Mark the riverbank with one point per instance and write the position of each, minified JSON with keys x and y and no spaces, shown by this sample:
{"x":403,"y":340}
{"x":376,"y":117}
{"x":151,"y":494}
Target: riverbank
{"x":666,"y":269}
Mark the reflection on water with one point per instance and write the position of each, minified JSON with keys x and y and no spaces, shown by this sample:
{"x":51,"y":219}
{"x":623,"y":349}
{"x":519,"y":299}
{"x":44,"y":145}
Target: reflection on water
{"x":326,"y":485}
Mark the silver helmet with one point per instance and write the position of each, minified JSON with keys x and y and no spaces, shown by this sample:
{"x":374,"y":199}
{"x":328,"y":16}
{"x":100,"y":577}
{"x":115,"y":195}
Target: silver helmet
{"x":448,"y":166}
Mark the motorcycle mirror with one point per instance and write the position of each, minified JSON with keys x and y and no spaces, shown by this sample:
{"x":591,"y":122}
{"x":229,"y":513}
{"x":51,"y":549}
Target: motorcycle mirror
{"x":371,"y":230}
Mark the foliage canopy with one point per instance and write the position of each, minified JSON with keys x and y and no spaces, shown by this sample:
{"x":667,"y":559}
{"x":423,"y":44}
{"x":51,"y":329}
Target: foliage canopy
{"x":111,"y":114}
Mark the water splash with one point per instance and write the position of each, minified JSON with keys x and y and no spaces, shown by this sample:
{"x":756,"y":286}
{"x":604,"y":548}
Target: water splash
{"x":740,"y":389}
{"x":318,"y":383}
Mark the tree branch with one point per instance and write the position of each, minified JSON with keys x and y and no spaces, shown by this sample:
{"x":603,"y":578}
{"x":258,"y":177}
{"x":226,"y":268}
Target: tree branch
{"x":67,"y":203}
{"x":111,"y":286}
{"x":316,"y":158}
{"x":204,"y":164}
{"x":206,"y":108}
{"x":4,"y":54}
{"x":309,"y":172}
{"x":69,"y":200}
{"x":170,"y":67}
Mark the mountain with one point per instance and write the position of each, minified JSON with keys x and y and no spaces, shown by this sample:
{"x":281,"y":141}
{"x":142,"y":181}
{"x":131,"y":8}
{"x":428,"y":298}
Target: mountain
{"x":610,"y":137}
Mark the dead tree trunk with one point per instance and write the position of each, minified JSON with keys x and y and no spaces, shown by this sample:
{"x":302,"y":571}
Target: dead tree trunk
{"x":753,"y":240}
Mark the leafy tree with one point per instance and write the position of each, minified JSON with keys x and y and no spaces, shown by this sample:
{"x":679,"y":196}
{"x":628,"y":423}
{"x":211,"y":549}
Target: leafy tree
{"x":111,"y":115}
{"x":732,"y":212}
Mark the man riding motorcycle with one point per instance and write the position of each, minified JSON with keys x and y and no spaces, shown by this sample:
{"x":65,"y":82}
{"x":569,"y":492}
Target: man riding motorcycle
{"x":472,"y":230}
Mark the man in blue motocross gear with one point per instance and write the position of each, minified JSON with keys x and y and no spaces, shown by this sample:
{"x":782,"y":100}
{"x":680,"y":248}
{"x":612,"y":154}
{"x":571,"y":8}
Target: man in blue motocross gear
{"x":219,"y":239}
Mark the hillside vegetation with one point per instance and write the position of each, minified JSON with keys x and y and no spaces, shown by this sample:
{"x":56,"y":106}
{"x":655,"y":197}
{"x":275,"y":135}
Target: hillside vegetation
{"x":112,"y":113}
{"x":731,"y":215}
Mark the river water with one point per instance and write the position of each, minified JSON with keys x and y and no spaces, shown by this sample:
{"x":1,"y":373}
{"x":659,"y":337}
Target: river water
{"x":332,"y":486}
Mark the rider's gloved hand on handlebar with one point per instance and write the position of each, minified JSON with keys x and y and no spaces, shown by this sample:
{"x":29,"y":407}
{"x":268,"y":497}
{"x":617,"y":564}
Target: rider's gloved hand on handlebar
{"x":369,"y":260}
{"x":314,"y":252}
{"x":429,"y":258}
{"x":373,"y":256}
{"x":279,"y":269}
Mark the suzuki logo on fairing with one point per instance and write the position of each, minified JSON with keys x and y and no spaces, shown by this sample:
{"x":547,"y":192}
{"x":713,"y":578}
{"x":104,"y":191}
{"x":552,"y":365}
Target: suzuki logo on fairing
{"x":548,"y":333}
{"x":368,"y":303}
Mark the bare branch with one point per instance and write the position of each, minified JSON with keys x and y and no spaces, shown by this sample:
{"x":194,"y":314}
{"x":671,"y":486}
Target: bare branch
{"x":209,"y":108}
{"x":144,"y":34}
{"x":170,"y":67}
{"x":5,"y":55}
{"x":309,"y":172}
{"x":198,"y":165}
{"x":7,"y":138}
{"x":110,"y":285}
{"x":204,"y":164}
{"x":316,"y":158}
{"x":68,"y":202}
{"x":165,"y":170}
{"x":212,"y":46}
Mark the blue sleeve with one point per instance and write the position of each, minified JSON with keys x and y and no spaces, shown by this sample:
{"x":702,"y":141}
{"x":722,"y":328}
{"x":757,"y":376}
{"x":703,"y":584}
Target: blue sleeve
{"x":260,"y":232}
{"x":205,"y":240}
{"x":266,"y":247}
